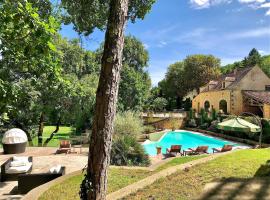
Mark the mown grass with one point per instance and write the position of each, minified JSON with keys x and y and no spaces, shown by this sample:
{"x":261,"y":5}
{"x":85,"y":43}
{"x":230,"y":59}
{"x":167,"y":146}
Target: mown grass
{"x":118,"y":178}
{"x":179,"y":161}
{"x":63,"y":133}
{"x":185,"y":185}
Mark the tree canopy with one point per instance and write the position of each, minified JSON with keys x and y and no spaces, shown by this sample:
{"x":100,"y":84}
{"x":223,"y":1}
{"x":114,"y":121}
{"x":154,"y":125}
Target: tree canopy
{"x":91,"y":14}
{"x":187,"y":75}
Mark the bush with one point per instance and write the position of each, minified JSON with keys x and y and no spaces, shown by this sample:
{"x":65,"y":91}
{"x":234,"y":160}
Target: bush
{"x":266,"y":131}
{"x":149,"y":129}
{"x":159,"y":104}
{"x":127,"y":151}
{"x":128,"y":123}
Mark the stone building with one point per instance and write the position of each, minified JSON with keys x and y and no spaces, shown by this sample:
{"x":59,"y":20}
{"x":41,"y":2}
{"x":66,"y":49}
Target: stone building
{"x":243,"y":90}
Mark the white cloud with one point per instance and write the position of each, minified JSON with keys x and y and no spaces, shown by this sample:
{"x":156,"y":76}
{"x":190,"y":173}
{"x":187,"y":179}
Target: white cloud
{"x":258,"y":4}
{"x":260,"y":32}
{"x":162,"y":44}
{"x":200,"y":4}
{"x":251,"y":1}
{"x":255,"y":4}
{"x":146,"y":46}
{"x":264,"y":52}
{"x":265,"y":5}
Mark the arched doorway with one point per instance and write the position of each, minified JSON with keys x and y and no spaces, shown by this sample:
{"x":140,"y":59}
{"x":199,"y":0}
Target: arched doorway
{"x":223,"y":106}
{"x":206,"y":106}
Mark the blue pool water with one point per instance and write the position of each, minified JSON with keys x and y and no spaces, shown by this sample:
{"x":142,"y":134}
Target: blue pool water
{"x":186,"y":139}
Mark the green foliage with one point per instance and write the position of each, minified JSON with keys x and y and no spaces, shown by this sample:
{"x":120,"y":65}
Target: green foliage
{"x":253,"y":58}
{"x":199,"y":70}
{"x":214,"y":114}
{"x":29,"y":60}
{"x":266,"y":131}
{"x":187,"y":76}
{"x":159,"y":104}
{"x":76,"y":60}
{"x":187,"y":104}
{"x":135,"y":83}
{"x":265,"y":64}
{"x":128,"y":123}
{"x":149,"y":129}
{"x":127,"y":151}
{"x":90,"y":14}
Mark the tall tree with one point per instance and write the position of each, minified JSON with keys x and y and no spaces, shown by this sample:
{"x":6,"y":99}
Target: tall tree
{"x":199,"y":70}
{"x":113,"y":14}
{"x":135,"y":82}
{"x":173,"y":86}
{"x":253,"y":58}
{"x":28,"y":57}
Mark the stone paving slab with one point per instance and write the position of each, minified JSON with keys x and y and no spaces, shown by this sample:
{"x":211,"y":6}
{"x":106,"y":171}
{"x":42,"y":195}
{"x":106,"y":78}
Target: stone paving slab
{"x":72,"y":162}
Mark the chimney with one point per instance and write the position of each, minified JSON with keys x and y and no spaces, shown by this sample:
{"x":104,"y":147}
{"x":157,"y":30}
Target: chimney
{"x":235,"y":71}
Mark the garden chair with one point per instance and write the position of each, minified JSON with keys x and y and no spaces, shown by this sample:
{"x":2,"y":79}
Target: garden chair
{"x":65,"y":147}
{"x":174,"y":150}
{"x":198,"y":150}
{"x":223,"y":149}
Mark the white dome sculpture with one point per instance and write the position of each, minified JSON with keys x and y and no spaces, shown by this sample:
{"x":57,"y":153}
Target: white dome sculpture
{"x":14,"y":136}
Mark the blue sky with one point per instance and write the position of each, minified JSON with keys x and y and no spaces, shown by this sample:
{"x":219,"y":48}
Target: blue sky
{"x":173,"y":29}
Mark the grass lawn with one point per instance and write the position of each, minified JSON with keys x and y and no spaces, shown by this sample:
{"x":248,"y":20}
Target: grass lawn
{"x":186,"y":185}
{"x":118,"y":178}
{"x":179,"y":161}
{"x":63,"y":133}
{"x":156,"y":136}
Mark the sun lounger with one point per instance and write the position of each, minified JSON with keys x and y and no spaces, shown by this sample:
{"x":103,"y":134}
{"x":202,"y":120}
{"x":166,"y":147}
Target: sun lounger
{"x":198,"y":150}
{"x":223,"y":149}
{"x":65,"y":147}
{"x":174,"y":150}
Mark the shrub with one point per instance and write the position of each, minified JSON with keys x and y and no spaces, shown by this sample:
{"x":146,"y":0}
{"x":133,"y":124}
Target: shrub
{"x":127,"y":151}
{"x":159,"y":104}
{"x":266,"y":131}
{"x":149,"y":129}
{"x":128,"y":123}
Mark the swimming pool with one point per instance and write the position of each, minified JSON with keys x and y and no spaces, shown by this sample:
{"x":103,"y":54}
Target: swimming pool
{"x":185,"y":138}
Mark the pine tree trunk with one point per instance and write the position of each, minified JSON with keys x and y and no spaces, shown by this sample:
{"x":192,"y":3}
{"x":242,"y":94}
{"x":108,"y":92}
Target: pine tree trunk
{"x":106,"y":99}
{"x":40,"y":129}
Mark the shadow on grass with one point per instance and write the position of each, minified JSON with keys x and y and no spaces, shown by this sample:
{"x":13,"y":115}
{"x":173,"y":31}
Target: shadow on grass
{"x":239,"y":188}
{"x":257,"y":188}
{"x":264,"y":170}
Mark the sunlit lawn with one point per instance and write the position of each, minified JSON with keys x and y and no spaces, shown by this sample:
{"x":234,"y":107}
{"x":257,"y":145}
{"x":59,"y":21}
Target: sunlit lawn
{"x":63,"y":133}
{"x":187,"y":185}
{"x":118,"y":178}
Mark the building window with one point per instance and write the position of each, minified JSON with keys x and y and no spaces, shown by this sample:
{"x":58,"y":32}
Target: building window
{"x":223,"y":106}
{"x":267,"y":87}
{"x":206,"y":106}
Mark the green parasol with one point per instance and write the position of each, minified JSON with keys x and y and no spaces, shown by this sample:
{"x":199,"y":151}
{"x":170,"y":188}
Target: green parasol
{"x":239,"y":125}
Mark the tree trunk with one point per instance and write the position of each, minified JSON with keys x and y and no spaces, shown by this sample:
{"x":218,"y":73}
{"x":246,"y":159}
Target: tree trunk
{"x":40,"y":129}
{"x":53,"y":133}
{"x":106,"y":99}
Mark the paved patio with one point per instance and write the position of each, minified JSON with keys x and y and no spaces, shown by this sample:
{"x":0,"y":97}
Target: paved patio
{"x":43,"y":160}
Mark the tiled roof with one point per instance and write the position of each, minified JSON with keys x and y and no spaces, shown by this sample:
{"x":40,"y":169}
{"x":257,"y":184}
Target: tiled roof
{"x":234,"y":76}
{"x":261,"y":96}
